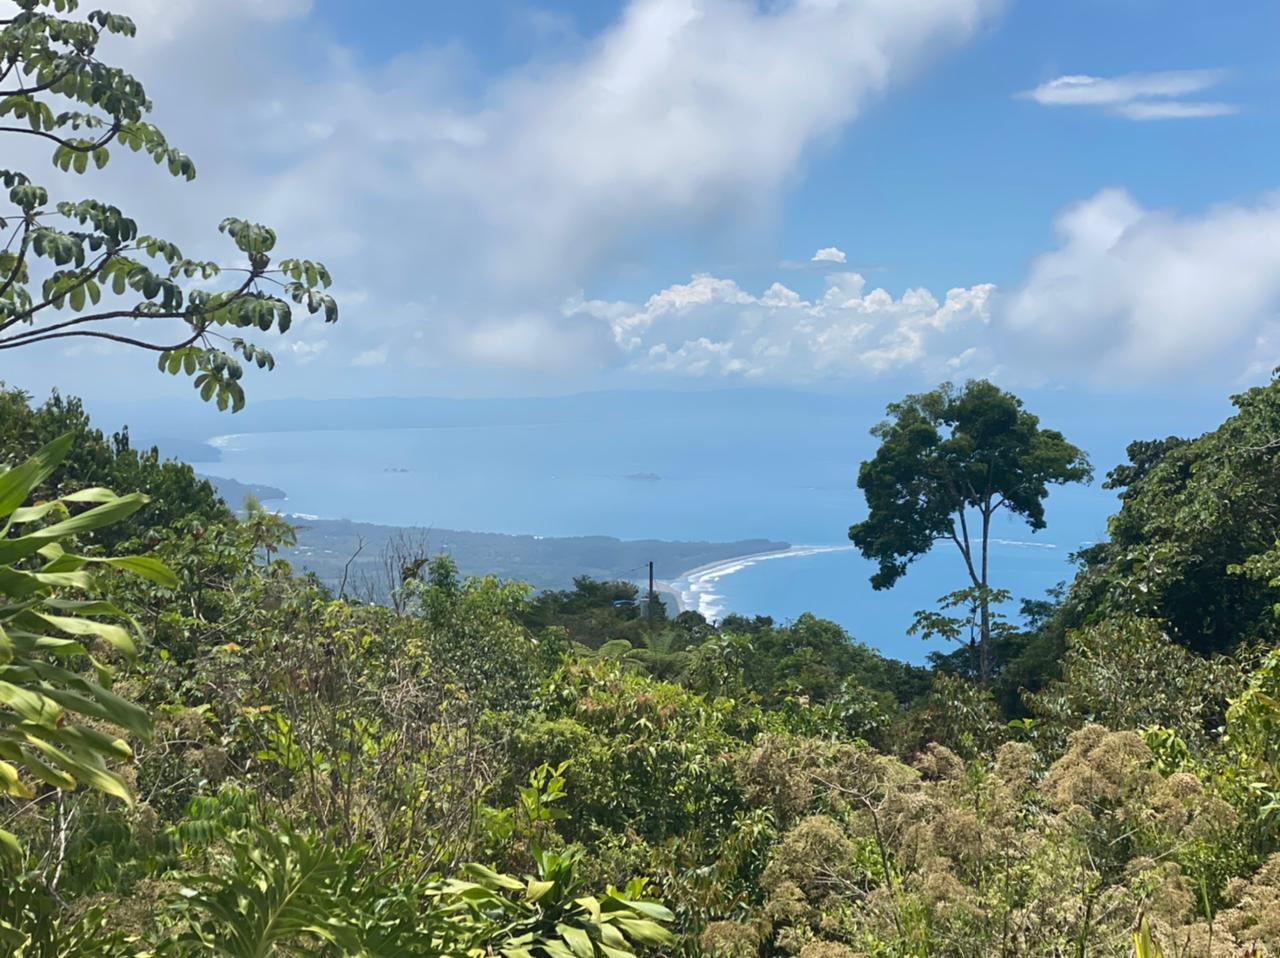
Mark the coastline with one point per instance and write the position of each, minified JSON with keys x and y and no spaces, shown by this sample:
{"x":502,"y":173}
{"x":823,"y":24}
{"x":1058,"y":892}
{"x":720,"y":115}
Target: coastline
{"x":694,"y":589}
{"x":668,"y":589}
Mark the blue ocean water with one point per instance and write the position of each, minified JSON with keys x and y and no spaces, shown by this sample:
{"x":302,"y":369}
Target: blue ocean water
{"x":717,"y":471}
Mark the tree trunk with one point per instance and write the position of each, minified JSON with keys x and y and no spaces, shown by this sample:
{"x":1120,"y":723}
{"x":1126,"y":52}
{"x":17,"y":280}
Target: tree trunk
{"x":986,"y":654}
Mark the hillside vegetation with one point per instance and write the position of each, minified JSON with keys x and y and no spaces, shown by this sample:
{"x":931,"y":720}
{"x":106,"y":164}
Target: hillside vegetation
{"x":205,"y":752}
{"x":473,"y":768}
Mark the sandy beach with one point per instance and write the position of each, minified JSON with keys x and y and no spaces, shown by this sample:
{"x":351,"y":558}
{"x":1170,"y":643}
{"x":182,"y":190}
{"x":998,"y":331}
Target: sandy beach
{"x":694,"y":589}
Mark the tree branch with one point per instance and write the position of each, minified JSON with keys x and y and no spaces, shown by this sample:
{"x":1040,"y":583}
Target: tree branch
{"x":39,"y":87}
{"x":89,"y":273}
{"x":74,"y":147}
{"x":18,"y":264}
{"x":98,"y":334}
{"x":966,"y":549}
{"x":50,"y":332}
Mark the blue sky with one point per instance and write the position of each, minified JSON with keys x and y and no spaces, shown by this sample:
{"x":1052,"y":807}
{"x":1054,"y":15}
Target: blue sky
{"x":543,"y":198}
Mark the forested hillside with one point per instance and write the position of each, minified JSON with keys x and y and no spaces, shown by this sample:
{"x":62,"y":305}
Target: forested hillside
{"x":278,"y":771}
{"x":206,"y":752}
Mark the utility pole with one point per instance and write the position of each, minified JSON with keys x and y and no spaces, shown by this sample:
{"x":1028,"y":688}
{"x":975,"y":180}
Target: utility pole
{"x":649,"y":607}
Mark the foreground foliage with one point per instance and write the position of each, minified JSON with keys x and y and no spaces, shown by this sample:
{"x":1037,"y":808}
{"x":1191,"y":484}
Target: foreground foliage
{"x":478,"y":771}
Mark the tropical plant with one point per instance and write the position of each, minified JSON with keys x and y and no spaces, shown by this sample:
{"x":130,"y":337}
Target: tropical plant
{"x":278,"y":888}
{"x":1144,"y":945}
{"x":34,"y":925}
{"x":51,"y":709}
{"x":550,"y":914}
{"x":93,"y":258}
{"x":177,"y":494}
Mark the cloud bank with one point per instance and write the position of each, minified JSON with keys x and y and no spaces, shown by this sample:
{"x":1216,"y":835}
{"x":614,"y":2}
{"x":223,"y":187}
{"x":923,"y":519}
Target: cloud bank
{"x":458,"y":209}
{"x":712,"y":327}
{"x":460,"y":212}
{"x":1128,"y":295}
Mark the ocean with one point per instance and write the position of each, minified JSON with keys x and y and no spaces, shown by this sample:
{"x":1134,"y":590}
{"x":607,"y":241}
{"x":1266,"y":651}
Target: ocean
{"x":722,"y":470}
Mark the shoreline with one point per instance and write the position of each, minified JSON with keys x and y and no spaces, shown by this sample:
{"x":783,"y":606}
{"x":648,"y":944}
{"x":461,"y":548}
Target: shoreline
{"x":667,"y":588}
{"x":696,"y":595}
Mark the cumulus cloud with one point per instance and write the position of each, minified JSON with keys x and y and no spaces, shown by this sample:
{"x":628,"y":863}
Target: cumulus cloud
{"x":1128,"y":295}
{"x":305,"y":351}
{"x":1138,"y":96}
{"x":487,"y":198}
{"x":711,"y":326}
{"x":1136,"y":292}
{"x":459,"y":211}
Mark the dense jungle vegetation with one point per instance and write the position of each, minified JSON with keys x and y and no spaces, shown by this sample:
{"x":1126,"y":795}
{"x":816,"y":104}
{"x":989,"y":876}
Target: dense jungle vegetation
{"x":273,"y":770}
{"x":203,"y":751}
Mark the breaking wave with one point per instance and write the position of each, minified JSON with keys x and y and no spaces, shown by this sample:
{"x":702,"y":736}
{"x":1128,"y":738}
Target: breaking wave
{"x":698,"y":587}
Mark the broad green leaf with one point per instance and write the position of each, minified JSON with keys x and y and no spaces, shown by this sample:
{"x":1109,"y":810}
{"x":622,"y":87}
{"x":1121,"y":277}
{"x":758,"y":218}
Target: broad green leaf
{"x":11,"y":784}
{"x":31,"y":705}
{"x":644,"y":931}
{"x":492,"y":877}
{"x":153,"y":570}
{"x":578,"y":940}
{"x":10,"y":846}
{"x":538,"y":888}
{"x":17,"y":483}
{"x":118,"y":636}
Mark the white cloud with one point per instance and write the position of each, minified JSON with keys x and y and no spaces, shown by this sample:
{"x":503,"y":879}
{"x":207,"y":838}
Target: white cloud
{"x":488,"y":199}
{"x":1138,"y":96}
{"x":1129,"y":295}
{"x":164,"y":22}
{"x":306,"y":351}
{"x":371,"y":357}
{"x":1137,"y":293}
{"x":710,"y":326}
{"x":685,"y":113}
{"x":458,"y":212}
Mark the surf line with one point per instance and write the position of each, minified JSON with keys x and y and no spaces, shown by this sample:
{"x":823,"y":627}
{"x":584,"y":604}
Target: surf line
{"x":696,"y":589}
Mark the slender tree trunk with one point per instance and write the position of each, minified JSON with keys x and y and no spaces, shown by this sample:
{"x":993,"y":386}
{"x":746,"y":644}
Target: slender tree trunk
{"x":986,"y":654}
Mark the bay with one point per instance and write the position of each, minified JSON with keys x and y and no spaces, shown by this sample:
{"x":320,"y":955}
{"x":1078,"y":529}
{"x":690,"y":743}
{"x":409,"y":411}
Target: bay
{"x":715,"y":471}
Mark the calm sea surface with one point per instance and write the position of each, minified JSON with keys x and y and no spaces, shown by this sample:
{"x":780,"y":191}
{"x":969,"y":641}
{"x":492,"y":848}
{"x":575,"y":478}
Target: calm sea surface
{"x":695,"y":474}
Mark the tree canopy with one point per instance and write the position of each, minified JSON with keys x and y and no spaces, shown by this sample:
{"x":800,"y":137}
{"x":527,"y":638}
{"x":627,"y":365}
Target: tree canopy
{"x":83,"y":268}
{"x":96,"y":459}
{"x":1192,"y":546}
{"x":944,"y":453}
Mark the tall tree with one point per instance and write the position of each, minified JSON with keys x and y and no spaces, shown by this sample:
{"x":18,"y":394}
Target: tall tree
{"x":83,"y":269}
{"x":948,"y":461}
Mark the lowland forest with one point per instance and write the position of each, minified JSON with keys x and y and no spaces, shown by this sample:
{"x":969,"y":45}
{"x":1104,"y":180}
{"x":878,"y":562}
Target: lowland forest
{"x":204,"y":751}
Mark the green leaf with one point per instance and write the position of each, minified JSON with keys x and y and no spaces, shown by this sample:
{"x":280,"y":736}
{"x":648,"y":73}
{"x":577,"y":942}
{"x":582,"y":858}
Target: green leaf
{"x":491,"y":877}
{"x":153,"y":570}
{"x":10,"y":846}
{"x":31,"y":705}
{"x":16,"y":484}
{"x":538,"y":888}
{"x":97,"y":518}
{"x":578,"y":940}
{"x":644,"y":931}
{"x":116,"y":635}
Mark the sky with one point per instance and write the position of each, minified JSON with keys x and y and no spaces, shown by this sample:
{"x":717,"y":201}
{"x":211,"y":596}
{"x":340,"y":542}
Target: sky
{"x":836,"y":195}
